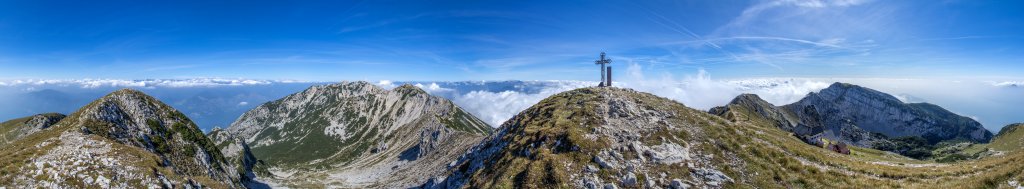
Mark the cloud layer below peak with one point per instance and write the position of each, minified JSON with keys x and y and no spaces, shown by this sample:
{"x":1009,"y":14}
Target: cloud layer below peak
{"x":146,"y":83}
{"x":497,"y":101}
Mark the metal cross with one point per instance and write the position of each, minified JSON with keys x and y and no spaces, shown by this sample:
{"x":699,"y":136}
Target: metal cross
{"x":602,"y":62}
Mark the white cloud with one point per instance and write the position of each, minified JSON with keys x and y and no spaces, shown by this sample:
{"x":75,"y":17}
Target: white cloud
{"x":780,"y":91}
{"x":433,"y":88}
{"x":831,"y":42}
{"x":147,"y":83}
{"x":697,"y":91}
{"x":243,"y":103}
{"x":1008,"y":84}
{"x":497,"y":107}
{"x":823,"y":3}
{"x":781,"y":33}
{"x":701,"y":92}
{"x":386,"y":84}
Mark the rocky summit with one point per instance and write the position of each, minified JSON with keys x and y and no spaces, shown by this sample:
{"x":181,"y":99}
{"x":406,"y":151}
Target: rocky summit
{"x":600,"y":138}
{"x":125,"y":139}
{"x":356,"y":134}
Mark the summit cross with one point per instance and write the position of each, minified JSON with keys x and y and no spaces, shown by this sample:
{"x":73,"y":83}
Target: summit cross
{"x":603,"y":61}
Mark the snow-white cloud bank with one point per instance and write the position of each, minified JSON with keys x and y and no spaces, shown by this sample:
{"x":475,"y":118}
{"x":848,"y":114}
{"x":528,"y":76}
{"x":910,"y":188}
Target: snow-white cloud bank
{"x":494,"y":101}
{"x":149,"y":83}
{"x":497,"y":101}
{"x":1008,"y":84}
{"x":700,"y":91}
{"x":993,"y":103}
{"x":497,"y":107}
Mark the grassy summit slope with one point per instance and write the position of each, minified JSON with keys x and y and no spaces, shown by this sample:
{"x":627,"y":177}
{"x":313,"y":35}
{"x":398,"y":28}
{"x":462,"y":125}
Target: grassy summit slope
{"x":1010,"y":138}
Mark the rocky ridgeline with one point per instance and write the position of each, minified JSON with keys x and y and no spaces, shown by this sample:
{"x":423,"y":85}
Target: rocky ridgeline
{"x":17,"y":128}
{"x":356,"y":134}
{"x":750,"y":107}
{"x":597,"y":138}
{"x":125,"y":138}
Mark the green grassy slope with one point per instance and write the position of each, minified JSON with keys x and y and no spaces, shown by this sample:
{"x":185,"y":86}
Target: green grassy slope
{"x":1010,"y":138}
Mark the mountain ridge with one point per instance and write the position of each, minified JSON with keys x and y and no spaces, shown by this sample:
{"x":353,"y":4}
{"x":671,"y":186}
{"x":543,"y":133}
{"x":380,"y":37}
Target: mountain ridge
{"x":123,"y":139}
{"x":15,"y":129}
{"x":358,"y":134}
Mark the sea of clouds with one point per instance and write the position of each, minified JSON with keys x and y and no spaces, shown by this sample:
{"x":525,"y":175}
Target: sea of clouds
{"x":146,"y":83}
{"x":502,"y":100}
{"x":210,"y":102}
{"x":993,"y":103}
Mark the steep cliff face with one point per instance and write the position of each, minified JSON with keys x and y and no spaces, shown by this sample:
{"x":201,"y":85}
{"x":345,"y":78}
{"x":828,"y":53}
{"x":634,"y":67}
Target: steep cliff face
{"x":17,"y":128}
{"x":851,"y":113}
{"x":124,"y":139}
{"x":358,"y":135}
{"x":239,"y":156}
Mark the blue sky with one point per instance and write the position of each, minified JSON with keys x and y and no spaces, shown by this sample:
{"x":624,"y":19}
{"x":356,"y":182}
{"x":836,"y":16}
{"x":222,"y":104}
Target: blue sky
{"x":492,"y":40}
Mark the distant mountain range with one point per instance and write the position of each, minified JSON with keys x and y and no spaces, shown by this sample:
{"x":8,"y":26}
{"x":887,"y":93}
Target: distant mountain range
{"x":207,"y":105}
